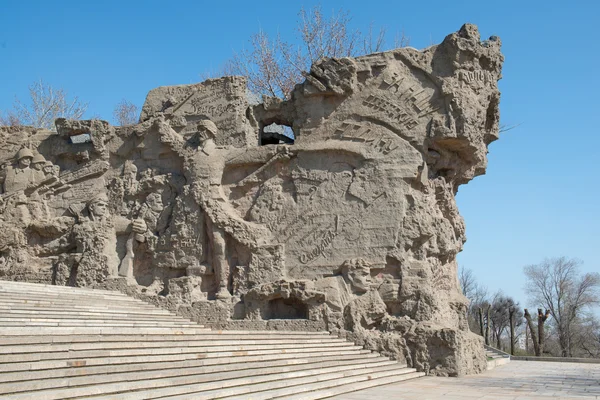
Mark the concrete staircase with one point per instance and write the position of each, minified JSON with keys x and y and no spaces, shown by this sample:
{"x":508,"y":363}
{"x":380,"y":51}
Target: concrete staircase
{"x":495,"y":357}
{"x":65,"y":343}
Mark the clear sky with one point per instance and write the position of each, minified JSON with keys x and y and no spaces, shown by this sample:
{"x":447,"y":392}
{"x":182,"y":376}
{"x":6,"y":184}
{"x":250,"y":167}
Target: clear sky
{"x":540,"y":196}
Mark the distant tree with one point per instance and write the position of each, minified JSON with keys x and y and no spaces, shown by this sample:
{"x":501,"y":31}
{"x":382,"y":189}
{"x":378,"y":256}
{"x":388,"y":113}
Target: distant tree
{"x":274,"y":66}
{"x":126,"y":113}
{"x":478,"y":300}
{"x":9,"y":118}
{"x":557,"y":284}
{"x":588,"y":338}
{"x":467,"y":281}
{"x":538,"y":336}
{"x":487,"y":320}
{"x":44,"y":105}
{"x":502,"y":316}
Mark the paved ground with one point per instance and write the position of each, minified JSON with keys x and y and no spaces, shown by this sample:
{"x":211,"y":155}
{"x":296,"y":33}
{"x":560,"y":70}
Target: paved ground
{"x":517,"y":380}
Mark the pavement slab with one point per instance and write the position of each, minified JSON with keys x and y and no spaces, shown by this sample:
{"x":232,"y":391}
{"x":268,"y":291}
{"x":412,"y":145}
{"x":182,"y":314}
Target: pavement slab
{"x":517,"y":380}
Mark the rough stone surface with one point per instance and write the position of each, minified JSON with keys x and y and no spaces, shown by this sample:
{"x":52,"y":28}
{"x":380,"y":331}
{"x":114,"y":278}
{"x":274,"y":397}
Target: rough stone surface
{"x":199,"y":208}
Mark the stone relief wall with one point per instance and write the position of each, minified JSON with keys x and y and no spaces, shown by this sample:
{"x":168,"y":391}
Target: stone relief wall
{"x":352,"y":228}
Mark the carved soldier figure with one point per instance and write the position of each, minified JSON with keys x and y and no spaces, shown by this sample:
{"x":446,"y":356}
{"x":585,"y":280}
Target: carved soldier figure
{"x":37,"y":164}
{"x":20,"y":176}
{"x":210,"y":169}
{"x":130,"y":182}
{"x":207,"y":163}
{"x":152,"y":213}
{"x":93,"y":244}
{"x":51,"y":170}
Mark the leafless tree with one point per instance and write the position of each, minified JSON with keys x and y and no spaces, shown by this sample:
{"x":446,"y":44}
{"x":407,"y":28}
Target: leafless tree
{"x":537,"y":335}
{"x":45,"y":104}
{"x":505,"y":315}
{"x":472,"y":290}
{"x":557,"y":284}
{"x":467,"y":281}
{"x":9,"y":118}
{"x":479,"y":304}
{"x":274,"y":66}
{"x":484,"y":311}
{"x":587,"y":338}
{"x":511,"y":320}
{"x":125,"y":113}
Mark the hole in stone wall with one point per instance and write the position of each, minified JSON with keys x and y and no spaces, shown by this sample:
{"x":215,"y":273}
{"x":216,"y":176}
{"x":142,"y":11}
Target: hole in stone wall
{"x":276,"y":134}
{"x":290,"y":308}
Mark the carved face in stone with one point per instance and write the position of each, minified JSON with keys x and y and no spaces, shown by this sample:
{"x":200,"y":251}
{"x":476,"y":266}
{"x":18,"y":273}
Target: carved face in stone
{"x":358,"y":273}
{"x":130,"y":170}
{"x":154,"y":201}
{"x":207,"y":130}
{"x":48,"y":168}
{"x":38,"y":166}
{"x":340,"y":175}
{"x":360,"y":278}
{"x":99,"y":208}
{"x":25,"y":162}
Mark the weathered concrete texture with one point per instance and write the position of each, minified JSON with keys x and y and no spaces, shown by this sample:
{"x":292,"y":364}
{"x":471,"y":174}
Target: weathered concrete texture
{"x":353,"y":228}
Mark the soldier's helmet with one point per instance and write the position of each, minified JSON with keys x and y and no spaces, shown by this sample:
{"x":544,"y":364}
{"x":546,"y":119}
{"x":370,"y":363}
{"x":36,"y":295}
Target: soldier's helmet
{"x":100,"y":198}
{"x":208,"y":126}
{"x":38,"y":158}
{"x":24,"y":153}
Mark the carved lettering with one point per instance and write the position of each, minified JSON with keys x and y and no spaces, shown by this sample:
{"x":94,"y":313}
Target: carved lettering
{"x":315,"y":253}
{"x":356,"y":133}
{"x":211,"y":109}
{"x":390,"y":110}
{"x":472,"y":77}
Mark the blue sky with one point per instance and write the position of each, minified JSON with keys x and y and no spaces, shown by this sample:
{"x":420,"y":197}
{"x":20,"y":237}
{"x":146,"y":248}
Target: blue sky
{"x":540,"y":195}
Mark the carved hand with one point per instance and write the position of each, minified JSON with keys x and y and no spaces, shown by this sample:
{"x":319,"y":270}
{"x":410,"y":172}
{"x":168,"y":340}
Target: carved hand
{"x":139,"y":226}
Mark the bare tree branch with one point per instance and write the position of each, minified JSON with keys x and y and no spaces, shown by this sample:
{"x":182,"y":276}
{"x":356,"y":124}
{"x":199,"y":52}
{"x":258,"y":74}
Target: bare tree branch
{"x":274,"y":67}
{"x":125,"y":113}
{"x":557,"y":285}
{"x":45,"y":104}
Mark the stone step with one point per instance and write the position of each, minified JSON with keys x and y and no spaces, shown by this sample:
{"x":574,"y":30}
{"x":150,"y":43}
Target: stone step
{"x":89,"y":320}
{"x":208,"y":366}
{"x":182,"y":333}
{"x":55,"y":296}
{"x":301,"y":387}
{"x":32,"y":309}
{"x":94,"y":325}
{"x":94,"y":321}
{"x":209,"y":359}
{"x":186,"y":375}
{"x":64,"y":301}
{"x":24,"y":331}
{"x":82,"y":307}
{"x":206,"y":336}
{"x":161,"y":388}
{"x":207,"y":351}
{"x":29,"y":309}
{"x":339,"y":389}
{"x":82,"y":315}
{"x":105,"y":345}
{"x":60,"y":342}
{"x":199,"y":351}
{"x":44,"y":288}
{"x":93,"y":317}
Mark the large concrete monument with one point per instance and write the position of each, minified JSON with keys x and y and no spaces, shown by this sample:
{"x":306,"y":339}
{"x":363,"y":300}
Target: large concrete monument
{"x":351,"y":227}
